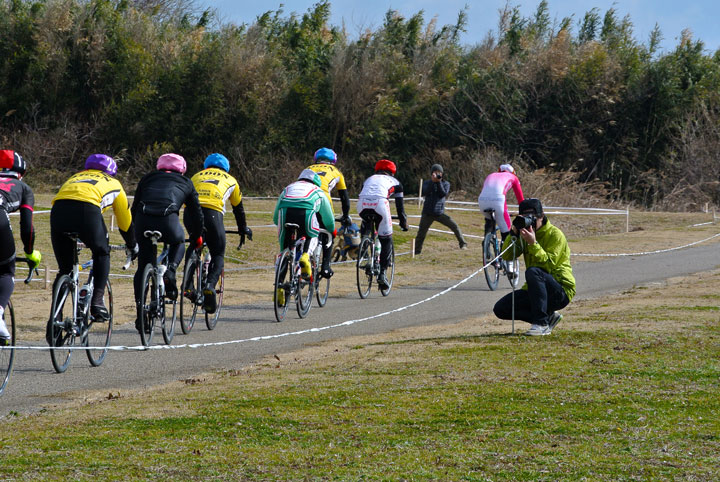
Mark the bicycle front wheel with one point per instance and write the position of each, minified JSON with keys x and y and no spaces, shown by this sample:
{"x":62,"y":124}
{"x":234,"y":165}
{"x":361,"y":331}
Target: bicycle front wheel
{"x":390,"y":271}
{"x":190,"y":294}
{"x":148,"y":304}
{"x":211,"y":319}
{"x":492,"y":265}
{"x":7,"y":353}
{"x":304,"y":294}
{"x":322,"y":286}
{"x":363,"y":268}
{"x":168,"y":322}
{"x":61,"y":323}
{"x":281,"y":288}
{"x":99,"y":333}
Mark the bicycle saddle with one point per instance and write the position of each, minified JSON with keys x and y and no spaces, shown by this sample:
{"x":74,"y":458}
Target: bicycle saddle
{"x":152,"y":234}
{"x":292,"y":225}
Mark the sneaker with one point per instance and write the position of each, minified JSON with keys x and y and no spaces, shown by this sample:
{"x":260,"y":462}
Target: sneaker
{"x":538,"y":330}
{"x":209,"y":301}
{"x":280,"y":297}
{"x":463,"y":246}
{"x":554,"y":320}
{"x":383,"y":281}
{"x":4,"y":333}
{"x":327,"y":273}
{"x":100,"y":313}
{"x":170,"y":284}
{"x":305,"y":269}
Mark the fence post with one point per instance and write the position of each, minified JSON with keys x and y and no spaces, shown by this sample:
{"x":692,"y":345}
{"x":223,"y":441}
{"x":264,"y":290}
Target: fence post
{"x":420,"y":192}
{"x":412,"y":249}
{"x":47,"y":276}
{"x":112,"y":222}
{"x":627,"y":219}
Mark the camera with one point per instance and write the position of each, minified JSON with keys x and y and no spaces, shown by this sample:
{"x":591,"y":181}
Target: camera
{"x":526,"y":221}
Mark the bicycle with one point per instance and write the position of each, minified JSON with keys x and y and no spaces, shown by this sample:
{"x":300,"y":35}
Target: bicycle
{"x":288,"y":279}
{"x":71,"y":324}
{"x":154,"y":299}
{"x":7,"y":347}
{"x":367,"y":266}
{"x":494,"y":265}
{"x":321,"y":285}
{"x":192,"y":298}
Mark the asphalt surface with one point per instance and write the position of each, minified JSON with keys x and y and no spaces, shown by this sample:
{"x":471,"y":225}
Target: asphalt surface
{"x":34,"y":383}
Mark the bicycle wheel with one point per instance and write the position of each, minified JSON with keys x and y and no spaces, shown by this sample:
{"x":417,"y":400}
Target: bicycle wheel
{"x":7,"y":353}
{"x":514,"y":280}
{"x":98,"y":334}
{"x":190,"y":294}
{"x":322,"y":285}
{"x":168,"y":320}
{"x":390,"y":272}
{"x":305,"y":290}
{"x":363,"y":268}
{"x":492,"y":268}
{"x":281,"y":288}
{"x":148,"y":304}
{"x":61,"y":320}
{"x":212,"y":319}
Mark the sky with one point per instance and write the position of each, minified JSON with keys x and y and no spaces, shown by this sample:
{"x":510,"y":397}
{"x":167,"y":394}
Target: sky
{"x":672,"y":16}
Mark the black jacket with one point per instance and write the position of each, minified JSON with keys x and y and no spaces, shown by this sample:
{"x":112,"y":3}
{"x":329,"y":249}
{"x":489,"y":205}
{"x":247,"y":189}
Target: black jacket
{"x":435,"y":193}
{"x":162,"y":193}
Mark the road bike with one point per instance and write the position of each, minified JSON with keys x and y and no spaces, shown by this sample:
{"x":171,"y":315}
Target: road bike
{"x":153,"y":301}
{"x":71,"y":323}
{"x":194,"y":278}
{"x":367,"y":266}
{"x":289,"y":284}
{"x":7,"y":347}
{"x":495,"y":265}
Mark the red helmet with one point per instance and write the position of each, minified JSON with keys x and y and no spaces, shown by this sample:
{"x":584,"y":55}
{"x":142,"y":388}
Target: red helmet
{"x":385,"y":165}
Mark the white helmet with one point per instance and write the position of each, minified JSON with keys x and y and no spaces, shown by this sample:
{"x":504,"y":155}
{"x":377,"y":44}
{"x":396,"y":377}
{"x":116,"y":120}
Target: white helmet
{"x":507,"y":168}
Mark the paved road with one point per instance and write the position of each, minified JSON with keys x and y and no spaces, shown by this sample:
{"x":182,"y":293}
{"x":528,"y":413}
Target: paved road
{"x":34,"y":384}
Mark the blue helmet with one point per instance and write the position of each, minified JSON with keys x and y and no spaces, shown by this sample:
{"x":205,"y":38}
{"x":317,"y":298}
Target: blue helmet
{"x":217,"y":160}
{"x":325,"y":154}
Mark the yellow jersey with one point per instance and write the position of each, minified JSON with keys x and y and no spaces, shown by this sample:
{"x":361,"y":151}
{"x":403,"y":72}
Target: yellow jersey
{"x":214,"y":187}
{"x":100,"y":189}
{"x":330,"y":177}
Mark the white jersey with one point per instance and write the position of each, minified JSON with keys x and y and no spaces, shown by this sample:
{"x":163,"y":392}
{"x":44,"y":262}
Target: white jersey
{"x":381,"y":186}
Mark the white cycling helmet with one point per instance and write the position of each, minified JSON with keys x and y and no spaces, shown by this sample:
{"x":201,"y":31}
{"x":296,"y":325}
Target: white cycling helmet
{"x":507,"y":168}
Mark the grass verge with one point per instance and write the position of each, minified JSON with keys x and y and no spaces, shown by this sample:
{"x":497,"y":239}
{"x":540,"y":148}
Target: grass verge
{"x":625,"y":389}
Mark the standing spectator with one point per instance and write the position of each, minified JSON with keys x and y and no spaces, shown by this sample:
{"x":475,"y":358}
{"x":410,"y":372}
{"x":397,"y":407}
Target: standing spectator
{"x":435,"y":190}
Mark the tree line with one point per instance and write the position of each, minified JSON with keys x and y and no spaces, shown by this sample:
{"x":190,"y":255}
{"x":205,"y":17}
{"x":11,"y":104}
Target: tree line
{"x":581,"y":95}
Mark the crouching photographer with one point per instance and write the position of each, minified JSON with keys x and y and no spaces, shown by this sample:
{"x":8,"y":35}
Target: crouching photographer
{"x":549,"y":281}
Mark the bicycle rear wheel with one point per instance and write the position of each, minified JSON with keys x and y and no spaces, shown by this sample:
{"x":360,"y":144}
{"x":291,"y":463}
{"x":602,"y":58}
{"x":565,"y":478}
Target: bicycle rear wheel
{"x":211,"y":319}
{"x":305,"y":291}
{"x":322,"y":285}
{"x":99,"y":334}
{"x":7,"y":353}
{"x":514,"y":275}
{"x":282,"y":286}
{"x":390,"y":271}
{"x":363,"y":268}
{"x":148,"y":304}
{"x":492,"y":266}
{"x":168,"y":324}
{"x":61,"y":323}
{"x":190,"y":294}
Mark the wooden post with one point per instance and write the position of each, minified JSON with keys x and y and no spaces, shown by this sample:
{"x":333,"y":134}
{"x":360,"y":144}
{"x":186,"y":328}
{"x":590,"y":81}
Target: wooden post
{"x":47,"y":276}
{"x":112,"y":222}
{"x":420,"y":193}
{"x":627,"y":219}
{"x":412,"y":248}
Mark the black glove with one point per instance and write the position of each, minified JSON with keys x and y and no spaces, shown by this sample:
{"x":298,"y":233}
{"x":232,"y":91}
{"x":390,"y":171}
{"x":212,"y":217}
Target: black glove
{"x":345,"y":220}
{"x":403,"y":223}
{"x":133,"y":252}
{"x":244,"y":232}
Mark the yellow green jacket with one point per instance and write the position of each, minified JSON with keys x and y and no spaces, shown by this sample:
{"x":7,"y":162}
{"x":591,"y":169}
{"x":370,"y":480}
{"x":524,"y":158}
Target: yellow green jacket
{"x":551,"y":253}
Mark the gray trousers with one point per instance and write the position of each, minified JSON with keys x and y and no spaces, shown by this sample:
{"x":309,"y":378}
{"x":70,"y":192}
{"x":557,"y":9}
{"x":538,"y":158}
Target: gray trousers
{"x":427,"y":219}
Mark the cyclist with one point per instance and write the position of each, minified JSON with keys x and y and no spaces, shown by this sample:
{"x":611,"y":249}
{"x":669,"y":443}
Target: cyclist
{"x":14,"y":195}
{"x":303,"y":203}
{"x":492,"y":196}
{"x":331,"y":178}
{"x":215,"y":185}
{"x":77,"y":208}
{"x":158,"y":198}
{"x":373,"y":198}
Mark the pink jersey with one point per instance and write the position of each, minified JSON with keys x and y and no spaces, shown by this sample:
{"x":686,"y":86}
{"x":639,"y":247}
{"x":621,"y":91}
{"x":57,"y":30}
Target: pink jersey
{"x":497,"y":184}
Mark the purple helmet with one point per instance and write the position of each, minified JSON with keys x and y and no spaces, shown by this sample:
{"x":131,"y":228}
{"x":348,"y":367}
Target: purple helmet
{"x":102,"y":162}
{"x":172,"y":162}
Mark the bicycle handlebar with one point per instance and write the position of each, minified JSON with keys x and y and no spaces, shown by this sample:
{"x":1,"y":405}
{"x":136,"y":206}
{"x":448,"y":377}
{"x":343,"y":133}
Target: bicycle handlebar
{"x":128,"y":254}
{"x":32,"y":269}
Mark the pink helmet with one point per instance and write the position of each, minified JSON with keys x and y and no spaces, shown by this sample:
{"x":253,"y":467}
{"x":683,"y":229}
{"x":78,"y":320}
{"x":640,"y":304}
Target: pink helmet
{"x":172,"y":162}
